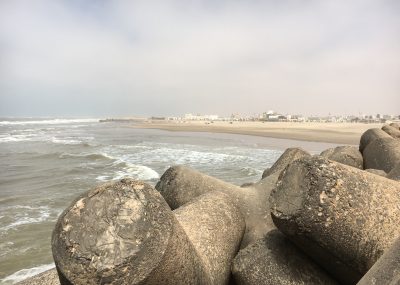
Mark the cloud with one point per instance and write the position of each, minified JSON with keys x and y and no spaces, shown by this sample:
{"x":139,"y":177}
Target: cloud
{"x":172,"y":57}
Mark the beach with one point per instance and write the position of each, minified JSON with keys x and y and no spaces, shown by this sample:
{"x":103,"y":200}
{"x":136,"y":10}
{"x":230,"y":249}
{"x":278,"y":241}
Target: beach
{"x":338,"y":133}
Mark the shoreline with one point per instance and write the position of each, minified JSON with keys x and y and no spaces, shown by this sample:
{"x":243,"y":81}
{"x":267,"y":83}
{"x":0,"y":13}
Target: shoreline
{"x":337,"y":133}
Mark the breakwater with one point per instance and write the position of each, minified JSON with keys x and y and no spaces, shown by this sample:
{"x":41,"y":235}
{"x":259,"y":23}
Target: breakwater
{"x":331,"y":216}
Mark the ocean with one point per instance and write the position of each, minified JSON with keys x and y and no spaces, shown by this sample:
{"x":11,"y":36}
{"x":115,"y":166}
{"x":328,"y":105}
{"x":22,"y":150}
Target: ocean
{"x":46,"y":163}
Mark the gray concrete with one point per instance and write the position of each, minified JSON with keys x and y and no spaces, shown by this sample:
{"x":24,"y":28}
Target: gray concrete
{"x":343,"y":217}
{"x":124,"y":233}
{"x":371,"y":135}
{"x":215,"y":226}
{"x":275,"y":260}
{"x":386,"y":271}
{"x":382,"y":154}
{"x":392,"y":131}
{"x":180,"y":184}
{"x":394,"y":174}
{"x":49,"y":277}
{"x":290,"y":155}
{"x":348,"y":155}
{"x":376,"y":172}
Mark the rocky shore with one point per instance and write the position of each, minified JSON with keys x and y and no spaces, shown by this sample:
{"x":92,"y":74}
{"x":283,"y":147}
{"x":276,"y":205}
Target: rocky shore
{"x":332,"y":218}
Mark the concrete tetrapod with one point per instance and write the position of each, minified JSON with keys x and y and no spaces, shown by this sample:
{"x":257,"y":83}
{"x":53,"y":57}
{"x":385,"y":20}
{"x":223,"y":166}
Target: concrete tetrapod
{"x":382,"y":154}
{"x":215,"y":226}
{"x":395,"y":125}
{"x":376,"y":172}
{"x":348,"y":155}
{"x":180,"y":184}
{"x":371,"y":135}
{"x":394,"y":174}
{"x":125,"y":233}
{"x":289,"y":155}
{"x":392,"y":131}
{"x":343,"y":217}
{"x":275,"y":260}
{"x":386,"y":271}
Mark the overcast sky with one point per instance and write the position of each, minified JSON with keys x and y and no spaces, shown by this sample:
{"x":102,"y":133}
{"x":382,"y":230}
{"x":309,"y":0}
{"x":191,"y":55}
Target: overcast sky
{"x":109,"y":58}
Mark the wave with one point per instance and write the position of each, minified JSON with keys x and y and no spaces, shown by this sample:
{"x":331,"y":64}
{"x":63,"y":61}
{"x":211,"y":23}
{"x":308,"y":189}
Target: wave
{"x":65,"y":141}
{"x":26,"y":273}
{"x":5,"y":248}
{"x":188,"y":156}
{"x":44,"y":138}
{"x":48,"y":122}
{"x":163,"y":152}
{"x":140,"y":172}
{"x":249,"y":171}
{"x":90,"y":156}
{"x":36,"y":215}
{"x":16,"y":138}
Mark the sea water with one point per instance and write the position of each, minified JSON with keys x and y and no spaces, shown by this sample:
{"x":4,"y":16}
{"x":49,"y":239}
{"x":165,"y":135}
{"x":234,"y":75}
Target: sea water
{"x":46,"y":163}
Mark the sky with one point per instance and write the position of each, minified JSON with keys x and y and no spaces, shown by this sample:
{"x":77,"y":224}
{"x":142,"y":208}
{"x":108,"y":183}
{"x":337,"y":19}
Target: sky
{"x":165,"y":58}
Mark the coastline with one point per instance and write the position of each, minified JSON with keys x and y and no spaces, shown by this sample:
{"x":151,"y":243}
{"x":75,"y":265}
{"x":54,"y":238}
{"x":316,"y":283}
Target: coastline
{"x":338,"y":133}
{"x":50,"y":276}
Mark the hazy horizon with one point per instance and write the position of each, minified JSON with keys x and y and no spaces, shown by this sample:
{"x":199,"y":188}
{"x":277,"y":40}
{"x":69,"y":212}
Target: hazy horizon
{"x":165,"y":58}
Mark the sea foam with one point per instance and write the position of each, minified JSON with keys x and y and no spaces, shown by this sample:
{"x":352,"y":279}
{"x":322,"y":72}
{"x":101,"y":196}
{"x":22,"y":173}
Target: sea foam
{"x":28,"y":215}
{"x":48,"y":122}
{"x":26,"y":273}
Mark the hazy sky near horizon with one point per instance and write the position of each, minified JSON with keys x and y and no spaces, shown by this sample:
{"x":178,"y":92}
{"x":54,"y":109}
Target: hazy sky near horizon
{"x":110,"y":58}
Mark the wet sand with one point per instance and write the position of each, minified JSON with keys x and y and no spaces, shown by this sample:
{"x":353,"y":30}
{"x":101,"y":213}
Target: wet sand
{"x":338,"y":133}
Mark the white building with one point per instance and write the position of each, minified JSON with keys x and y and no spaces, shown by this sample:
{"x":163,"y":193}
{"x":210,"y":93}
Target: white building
{"x":191,"y":117}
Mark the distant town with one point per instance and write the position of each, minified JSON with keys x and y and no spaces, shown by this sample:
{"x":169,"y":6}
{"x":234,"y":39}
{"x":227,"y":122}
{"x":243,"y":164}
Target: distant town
{"x":272,"y":116}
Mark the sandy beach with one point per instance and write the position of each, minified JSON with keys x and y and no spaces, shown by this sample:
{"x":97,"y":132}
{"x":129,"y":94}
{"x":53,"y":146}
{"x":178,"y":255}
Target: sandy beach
{"x":339,"y":133}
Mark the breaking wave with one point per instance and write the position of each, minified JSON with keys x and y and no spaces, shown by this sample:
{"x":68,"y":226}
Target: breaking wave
{"x":26,"y":273}
{"x":48,"y":122}
{"x":26,"y":215}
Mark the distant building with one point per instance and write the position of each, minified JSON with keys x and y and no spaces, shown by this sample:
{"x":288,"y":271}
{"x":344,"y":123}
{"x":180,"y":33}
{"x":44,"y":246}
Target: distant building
{"x":191,"y":117}
{"x":272,"y":116}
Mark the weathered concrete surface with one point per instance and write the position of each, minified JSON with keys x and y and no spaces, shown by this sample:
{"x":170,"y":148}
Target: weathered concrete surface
{"x":386,"y":270}
{"x":343,"y":217}
{"x":382,"y":154}
{"x":348,"y":155}
{"x":275,"y":260}
{"x":376,"y":172}
{"x":124,"y":233}
{"x":394,"y":174}
{"x":371,"y":135}
{"x":395,"y":125}
{"x":215,"y":226}
{"x":49,"y":277}
{"x":290,"y":155}
{"x":180,"y":185}
{"x":392,"y":131}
